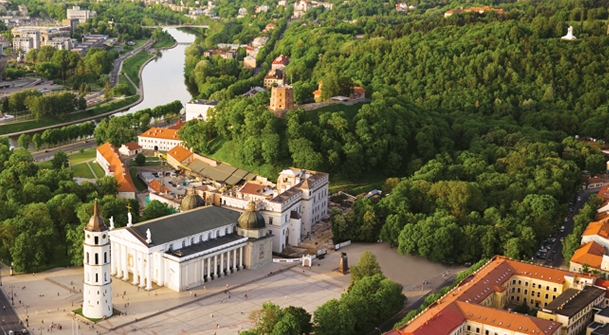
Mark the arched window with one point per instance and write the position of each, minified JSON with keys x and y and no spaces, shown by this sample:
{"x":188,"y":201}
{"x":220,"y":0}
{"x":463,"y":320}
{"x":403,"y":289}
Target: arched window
{"x":225,"y":231}
{"x":200,"y":238}
{"x":96,"y":259}
{"x":183,"y":243}
{"x":105,"y":257}
{"x":192,"y":240}
{"x":96,"y":240}
{"x":96,"y":277}
{"x":87,"y":258}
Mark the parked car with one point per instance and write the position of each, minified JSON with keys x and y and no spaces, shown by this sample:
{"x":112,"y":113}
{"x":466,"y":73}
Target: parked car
{"x":550,"y":259}
{"x":554,"y":250}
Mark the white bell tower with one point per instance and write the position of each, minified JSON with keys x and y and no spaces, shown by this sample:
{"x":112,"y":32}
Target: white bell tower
{"x":97,"y":288}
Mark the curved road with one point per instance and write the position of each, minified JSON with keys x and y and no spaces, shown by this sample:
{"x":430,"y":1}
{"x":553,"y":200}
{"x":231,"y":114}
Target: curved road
{"x":118,"y":64}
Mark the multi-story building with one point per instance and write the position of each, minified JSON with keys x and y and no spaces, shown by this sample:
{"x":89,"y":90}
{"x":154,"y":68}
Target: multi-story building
{"x":24,"y":44}
{"x":109,"y":159}
{"x":275,"y":77}
{"x":81,"y":14}
{"x":61,"y":43}
{"x":159,"y":139}
{"x":299,"y":200}
{"x":38,"y":36}
{"x":478,"y":304}
{"x":574,"y":308}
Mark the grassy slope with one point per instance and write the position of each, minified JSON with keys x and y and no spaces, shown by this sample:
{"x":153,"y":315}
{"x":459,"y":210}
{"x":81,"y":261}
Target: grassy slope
{"x":132,"y":65}
{"x":139,"y":184}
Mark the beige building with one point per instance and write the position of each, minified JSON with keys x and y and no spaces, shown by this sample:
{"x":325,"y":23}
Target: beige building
{"x":82,"y":15}
{"x":290,"y":209}
{"x":282,"y":99}
{"x":159,"y":139}
{"x":249,"y":62}
{"x":574,"y":308}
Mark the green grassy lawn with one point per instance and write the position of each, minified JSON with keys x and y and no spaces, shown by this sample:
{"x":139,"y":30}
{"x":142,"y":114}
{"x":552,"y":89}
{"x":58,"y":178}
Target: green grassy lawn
{"x":27,"y":125}
{"x":223,"y":151}
{"x":82,"y":171}
{"x":81,"y":157}
{"x":123,"y":80}
{"x":45,"y":165}
{"x":139,"y":184}
{"x":152,"y":163}
{"x":98,"y":170}
{"x":132,"y":65}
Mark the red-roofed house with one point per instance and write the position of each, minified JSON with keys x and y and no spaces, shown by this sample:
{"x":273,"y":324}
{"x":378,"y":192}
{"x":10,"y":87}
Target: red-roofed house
{"x":109,"y":159}
{"x":591,"y":254}
{"x":358,"y":92}
{"x":280,"y":62}
{"x":130,"y":149}
{"x":597,"y":231}
{"x":179,"y":156}
{"x":270,"y":26}
{"x":155,"y":186}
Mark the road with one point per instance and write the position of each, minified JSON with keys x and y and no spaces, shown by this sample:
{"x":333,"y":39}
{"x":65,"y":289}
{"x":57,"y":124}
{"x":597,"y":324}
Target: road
{"x":557,"y":258}
{"x":44,"y":155}
{"x":114,"y":77}
{"x":10,"y":320}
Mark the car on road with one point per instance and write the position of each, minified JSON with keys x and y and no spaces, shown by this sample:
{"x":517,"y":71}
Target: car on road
{"x":550,"y":259}
{"x":562,"y":229}
{"x":579,"y":198}
{"x":554,"y":250}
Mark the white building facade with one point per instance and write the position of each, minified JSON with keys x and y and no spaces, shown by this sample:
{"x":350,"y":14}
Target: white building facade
{"x":159,"y":139}
{"x":197,"y":109}
{"x":82,"y":15}
{"x":179,"y":251}
{"x":97,"y":284}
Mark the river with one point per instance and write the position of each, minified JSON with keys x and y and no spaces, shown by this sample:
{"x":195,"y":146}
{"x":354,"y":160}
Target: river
{"x":163,"y":78}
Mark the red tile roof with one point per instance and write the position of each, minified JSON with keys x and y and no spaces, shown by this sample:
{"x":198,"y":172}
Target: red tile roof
{"x":155,"y":185}
{"x":166,"y":134}
{"x":467,"y":297}
{"x":121,"y":173}
{"x":252,"y":188}
{"x":604,"y":284}
{"x":178,"y":125}
{"x":179,"y":153}
{"x":603,"y":192}
{"x":599,"y":228}
{"x":590,"y":253}
{"x":132,"y":146}
{"x":281,"y":60}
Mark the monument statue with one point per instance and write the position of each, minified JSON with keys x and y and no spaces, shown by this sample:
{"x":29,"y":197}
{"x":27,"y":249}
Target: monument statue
{"x":111,"y":222}
{"x":148,"y":236}
{"x":569,"y":35}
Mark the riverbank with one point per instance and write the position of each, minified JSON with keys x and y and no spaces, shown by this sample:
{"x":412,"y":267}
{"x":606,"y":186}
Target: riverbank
{"x":26,"y":127}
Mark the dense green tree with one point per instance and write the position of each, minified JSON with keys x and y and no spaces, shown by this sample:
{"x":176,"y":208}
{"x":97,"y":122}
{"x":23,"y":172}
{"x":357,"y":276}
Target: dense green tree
{"x":155,"y":209}
{"x":60,"y":160}
{"x":24,"y":140}
{"x":366,"y":266}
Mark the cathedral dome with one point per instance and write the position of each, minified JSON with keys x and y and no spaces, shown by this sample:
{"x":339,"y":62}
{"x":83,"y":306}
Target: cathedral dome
{"x":96,"y":223}
{"x":250,"y":219}
{"x":191,"y":201}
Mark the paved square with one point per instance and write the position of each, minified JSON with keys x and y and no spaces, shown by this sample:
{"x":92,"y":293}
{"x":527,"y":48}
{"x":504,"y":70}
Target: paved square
{"x":50,"y":296}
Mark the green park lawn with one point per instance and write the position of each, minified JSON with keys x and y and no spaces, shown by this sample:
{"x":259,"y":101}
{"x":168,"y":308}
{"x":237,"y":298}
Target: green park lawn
{"x":82,"y":171}
{"x":97,"y":169}
{"x":123,"y":80}
{"x":82,"y":157}
{"x":45,"y":165}
{"x":132,"y":65}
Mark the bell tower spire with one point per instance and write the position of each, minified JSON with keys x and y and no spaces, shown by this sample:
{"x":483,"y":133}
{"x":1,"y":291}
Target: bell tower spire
{"x":97,"y":283}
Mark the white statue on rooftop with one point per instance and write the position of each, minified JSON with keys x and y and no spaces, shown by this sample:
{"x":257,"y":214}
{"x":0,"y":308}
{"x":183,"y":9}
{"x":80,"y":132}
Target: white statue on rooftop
{"x":569,"y":35}
{"x":148,"y":236}
{"x":111,"y":222}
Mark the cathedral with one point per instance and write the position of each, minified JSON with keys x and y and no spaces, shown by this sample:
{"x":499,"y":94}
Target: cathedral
{"x":183,"y":250}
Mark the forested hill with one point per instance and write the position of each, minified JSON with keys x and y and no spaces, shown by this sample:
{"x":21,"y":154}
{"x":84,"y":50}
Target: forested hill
{"x":474,"y":114}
